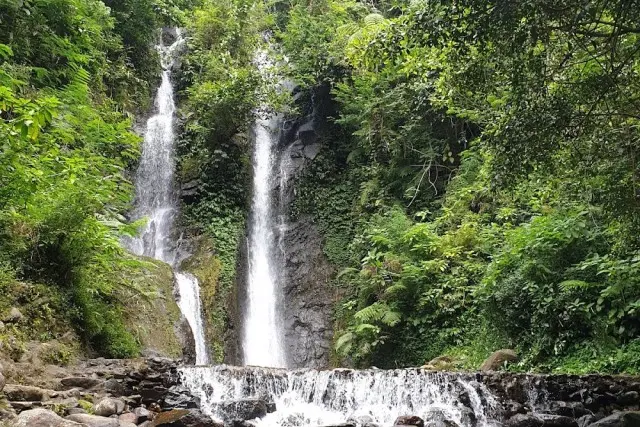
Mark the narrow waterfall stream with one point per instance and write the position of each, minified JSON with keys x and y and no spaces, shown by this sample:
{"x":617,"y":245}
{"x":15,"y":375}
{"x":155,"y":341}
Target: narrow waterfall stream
{"x":263,"y":336}
{"x":156,"y":198}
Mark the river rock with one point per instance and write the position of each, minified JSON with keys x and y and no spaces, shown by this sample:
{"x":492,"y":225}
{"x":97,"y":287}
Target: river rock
{"x":179,"y":398}
{"x":94,"y":420}
{"x":243,"y":409}
{"x":524,"y":420}
{"x":550,"y":420}
{"x":143,"y":414}
{"x":409,"y":420}
{"x":108,"y":406}
{"x":27,"y":393}
{"x":497,"y":358}
{"x":80,"y":382}
{"x":619,"y":419}
{"x":129,"y":417}
{"x":169,"y":417}
{"x":43,"y":418}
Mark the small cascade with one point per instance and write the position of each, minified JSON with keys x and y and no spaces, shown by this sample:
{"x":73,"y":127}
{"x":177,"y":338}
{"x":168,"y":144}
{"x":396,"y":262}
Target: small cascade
{"x":191,"y":308}
{"x":263,"y":337}
{"x":331,"y":397}
{"x":156,"y":197}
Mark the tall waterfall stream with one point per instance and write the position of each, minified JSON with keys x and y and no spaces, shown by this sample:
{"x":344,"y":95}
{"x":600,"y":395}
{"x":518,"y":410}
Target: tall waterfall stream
{"x":263,"y":335}
{"x":156,"y":198}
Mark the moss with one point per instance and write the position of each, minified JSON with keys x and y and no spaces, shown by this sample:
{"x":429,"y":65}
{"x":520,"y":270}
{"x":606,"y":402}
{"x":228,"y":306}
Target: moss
{"x":207,"y":267}
{"x":149,"y":309}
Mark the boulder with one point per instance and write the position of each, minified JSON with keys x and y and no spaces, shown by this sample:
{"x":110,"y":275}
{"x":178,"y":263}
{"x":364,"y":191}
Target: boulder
{"x":409,"y":420}
{"x":143,"y":414}
{"x":540,"y":420}
{"x":2,"y":381}
{"x":108,"y":406}
{"x":94,"y":420}
{"x":27,"y":393}
{"x":497,"y":358}
{"x":619,"y":419}
{"x":169,"y":417}
{"x":129,"y":417}
{"x":524,"y":420}
{"x":80,"y":382}
{"x":114,"y":387}
{"x":550,"y":420}
{"x":179,"y":398}
{"x":14,"y":316}
{"x":243,"y":409}
{"x":628,"y":398}
{"x":43,"y":418}
{"x":194,"y":418}
{"x":567,"y":409}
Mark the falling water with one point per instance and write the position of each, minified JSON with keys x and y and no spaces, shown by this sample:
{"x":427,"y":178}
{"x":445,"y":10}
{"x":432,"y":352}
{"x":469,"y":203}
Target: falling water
{"x":156,"y":197}
{"x":315,"y":398}
{"x":262,"y":340}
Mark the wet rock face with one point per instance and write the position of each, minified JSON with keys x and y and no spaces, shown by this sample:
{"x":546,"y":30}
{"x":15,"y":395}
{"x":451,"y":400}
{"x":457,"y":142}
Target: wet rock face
{"x":308,"y":297}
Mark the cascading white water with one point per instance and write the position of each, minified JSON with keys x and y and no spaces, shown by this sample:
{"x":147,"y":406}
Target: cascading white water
{"x":262,"y":335}
{"x":191,"y":308}
{"x":156,"y":198}
{"x":315,"y":398}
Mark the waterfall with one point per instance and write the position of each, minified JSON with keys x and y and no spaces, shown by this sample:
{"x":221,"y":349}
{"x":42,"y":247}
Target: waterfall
{"x":315,"y":398}
{"x":262,"y":332}
{"x":156,"y":197}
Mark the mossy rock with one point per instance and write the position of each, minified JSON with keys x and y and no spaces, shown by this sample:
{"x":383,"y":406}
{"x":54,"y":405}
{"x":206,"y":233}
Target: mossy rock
{"x":150,"y":311}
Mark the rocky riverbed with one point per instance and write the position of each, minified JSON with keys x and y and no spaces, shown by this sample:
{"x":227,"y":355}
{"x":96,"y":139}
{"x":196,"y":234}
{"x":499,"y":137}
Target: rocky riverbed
{"x":151,"y":392}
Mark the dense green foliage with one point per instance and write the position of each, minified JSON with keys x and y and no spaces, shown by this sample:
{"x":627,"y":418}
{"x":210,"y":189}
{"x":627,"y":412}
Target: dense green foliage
{"x":482,"y":172}
{"x":71,"y":74}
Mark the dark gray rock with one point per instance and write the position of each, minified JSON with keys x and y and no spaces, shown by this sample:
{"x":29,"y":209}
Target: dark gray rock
{"x":619,"y":419}
{"x":586,"y":420}
{"x":179,"y":397}
{"x":628,"y":398}
{"x":550,"y":420}
{"x":114,"y":387}
{"x":309,"y":297}
{"x":242,"y":410}
{"x":524,"y":420}
{"x":567,"y":409}
{"x":194,"y":418}
{"x":409,"y":420}
{"x":81,"y":382}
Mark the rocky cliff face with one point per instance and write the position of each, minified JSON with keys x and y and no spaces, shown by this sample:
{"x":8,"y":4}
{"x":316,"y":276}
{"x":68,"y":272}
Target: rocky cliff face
{"x":308,"y":296}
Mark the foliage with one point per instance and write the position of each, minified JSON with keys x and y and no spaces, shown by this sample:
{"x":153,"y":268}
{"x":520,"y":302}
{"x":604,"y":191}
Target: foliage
{"x":492,"y":148}
{"x":68,"y":83}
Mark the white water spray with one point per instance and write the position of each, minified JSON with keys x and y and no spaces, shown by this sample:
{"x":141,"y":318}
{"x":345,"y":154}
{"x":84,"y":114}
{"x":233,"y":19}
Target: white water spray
{"x":315,"y":398}
{"x":156,"y":198}
{"x":262,"y":333}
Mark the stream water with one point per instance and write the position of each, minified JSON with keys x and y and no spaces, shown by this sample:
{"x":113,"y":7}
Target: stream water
{"x":156,"y":198}
{"x":331,"y":397}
